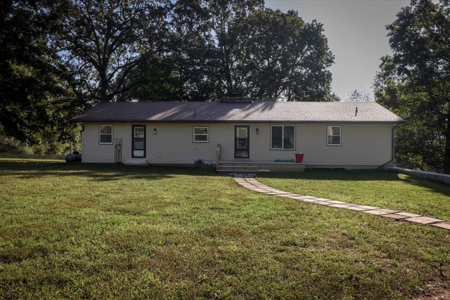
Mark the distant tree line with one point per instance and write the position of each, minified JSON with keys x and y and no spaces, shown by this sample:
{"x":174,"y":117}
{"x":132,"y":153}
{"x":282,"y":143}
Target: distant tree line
{"x":59,"y":57}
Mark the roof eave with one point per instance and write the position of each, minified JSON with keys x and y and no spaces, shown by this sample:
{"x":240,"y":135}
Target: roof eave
{"x":240,"y":121}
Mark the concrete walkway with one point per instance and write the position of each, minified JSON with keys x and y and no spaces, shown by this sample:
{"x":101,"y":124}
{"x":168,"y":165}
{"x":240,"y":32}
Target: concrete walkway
{"x":252,"y":184}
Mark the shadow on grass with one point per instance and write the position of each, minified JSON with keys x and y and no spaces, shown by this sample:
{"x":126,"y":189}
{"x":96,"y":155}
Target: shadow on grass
{"x":337,"y":174}
{"x":362,"y":175}
{"x":98,"y":172}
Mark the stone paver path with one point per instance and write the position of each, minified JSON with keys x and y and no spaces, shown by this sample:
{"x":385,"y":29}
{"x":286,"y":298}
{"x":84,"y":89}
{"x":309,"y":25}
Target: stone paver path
{"x":252,"y":184}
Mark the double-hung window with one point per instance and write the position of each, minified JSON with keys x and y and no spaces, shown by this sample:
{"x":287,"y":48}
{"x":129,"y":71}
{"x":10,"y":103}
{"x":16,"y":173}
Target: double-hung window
{"x":201,"y":135}
{"x":105,"y":134}
{"x":283,"y":137}
{"x":334,"y":135}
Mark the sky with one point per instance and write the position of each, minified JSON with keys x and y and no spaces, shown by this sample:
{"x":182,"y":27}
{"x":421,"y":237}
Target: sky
{"x":356,"y":33}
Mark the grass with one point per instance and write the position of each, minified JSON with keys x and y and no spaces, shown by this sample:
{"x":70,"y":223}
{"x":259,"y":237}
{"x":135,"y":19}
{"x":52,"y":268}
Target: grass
{"x":377,"y":188}
{"x":102,"y":231}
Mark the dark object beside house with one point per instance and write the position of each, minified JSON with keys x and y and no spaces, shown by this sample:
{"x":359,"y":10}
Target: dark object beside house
{"x":73,"y":157}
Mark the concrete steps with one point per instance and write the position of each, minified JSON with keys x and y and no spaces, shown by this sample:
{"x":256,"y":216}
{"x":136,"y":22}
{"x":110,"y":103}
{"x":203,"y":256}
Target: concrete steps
{"x":246,"y":166}
{"x":239,"y":168}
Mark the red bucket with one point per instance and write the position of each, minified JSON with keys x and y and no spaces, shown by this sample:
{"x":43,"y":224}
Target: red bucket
{"x":299,"y":158}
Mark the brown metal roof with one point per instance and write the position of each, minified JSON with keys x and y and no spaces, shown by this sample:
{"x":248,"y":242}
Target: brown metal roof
{"x":364,"y":112}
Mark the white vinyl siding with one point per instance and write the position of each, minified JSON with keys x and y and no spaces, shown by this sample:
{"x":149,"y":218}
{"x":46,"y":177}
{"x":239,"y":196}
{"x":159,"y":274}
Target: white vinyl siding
{"x":365,"y":144}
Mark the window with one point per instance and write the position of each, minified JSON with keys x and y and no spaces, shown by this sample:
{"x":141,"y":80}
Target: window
{"x":334,"y":136}
{"x":105,"y":134}
{"x":283,"y":137}
{"x":138,"y":141}
{"x":201,"y":134}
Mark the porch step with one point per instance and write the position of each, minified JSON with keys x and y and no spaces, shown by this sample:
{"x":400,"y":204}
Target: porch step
{"x":240,"y":167}
{"x":238,"y":171}
{"x":136,"y":162}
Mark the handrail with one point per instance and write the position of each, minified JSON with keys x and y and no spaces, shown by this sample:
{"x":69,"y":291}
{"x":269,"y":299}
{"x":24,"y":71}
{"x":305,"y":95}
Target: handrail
{"x":218,"y":152}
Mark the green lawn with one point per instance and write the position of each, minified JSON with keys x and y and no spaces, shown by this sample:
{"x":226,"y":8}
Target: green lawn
{"x":103,"y":231}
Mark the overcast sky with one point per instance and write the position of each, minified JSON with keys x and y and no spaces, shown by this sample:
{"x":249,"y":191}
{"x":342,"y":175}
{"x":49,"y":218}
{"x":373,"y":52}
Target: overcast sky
{"x":356,"y":35}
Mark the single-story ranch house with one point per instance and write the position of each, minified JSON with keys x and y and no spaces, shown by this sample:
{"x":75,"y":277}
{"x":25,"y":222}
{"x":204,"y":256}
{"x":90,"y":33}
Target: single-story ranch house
{"x":349,"y":135}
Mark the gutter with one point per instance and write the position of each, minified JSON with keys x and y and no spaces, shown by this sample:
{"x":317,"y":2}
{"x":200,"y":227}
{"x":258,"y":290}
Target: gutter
{"x":392,"y":150}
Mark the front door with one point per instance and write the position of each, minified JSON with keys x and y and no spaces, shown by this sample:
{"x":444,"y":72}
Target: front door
{"x":242,"y":141}
{"x":138,"y":142}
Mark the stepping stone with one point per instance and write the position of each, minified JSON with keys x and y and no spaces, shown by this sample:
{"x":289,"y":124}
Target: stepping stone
{"x":368,"y":207}
{"x":294,"y":196}
{"x":343,"y":205}
{"x":423,"y":220}
{"x":323,"y":202}
{"x":288,"y":195}
{"x":299,"y":197}
{"x":395,"y":216}
{"x":309,"y":200}
{"x":358,"y":208}
{"x":336,"y":202}
{"x":409,"y":215}
{"x":380,"y":212}
{"x":444,"y":225}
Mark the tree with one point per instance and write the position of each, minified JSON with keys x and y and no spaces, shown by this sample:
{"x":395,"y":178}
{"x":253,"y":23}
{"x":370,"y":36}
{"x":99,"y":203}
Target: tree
{"x":228,"y":62}
{"x":418,"y":145}
{"x":241,"y":48}
{"x":101,"y":42}
{"x":359,"y":96}
{"x":415,"y":82}
{"x":290,"y":58}
{"x":30,"y":84}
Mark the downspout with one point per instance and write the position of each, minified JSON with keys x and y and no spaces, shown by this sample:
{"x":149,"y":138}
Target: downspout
{"x":392,"y":150}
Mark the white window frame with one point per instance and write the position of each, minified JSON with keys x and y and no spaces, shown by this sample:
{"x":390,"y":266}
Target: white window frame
{"x":340,"y":135}
{"x":100,"y":134}
{"x":282,"y":138}
{"x":194,"y":135}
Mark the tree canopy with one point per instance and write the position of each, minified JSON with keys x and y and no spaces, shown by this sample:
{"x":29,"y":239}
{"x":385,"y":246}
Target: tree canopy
{"x":415,"y":83}
{"x":31,"y":85}
{"x":59,"y":57}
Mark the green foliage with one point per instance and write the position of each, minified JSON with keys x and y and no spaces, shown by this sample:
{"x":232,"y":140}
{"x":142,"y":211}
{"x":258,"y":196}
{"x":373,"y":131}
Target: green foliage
{"x":359,"y":96}
{"x":30,"y":84}
{"x":100,"y":44}
{"x":60,"y":57}
{"x":289,"y":58}
{"x":415,"y":84}
{"x":238,"y":48}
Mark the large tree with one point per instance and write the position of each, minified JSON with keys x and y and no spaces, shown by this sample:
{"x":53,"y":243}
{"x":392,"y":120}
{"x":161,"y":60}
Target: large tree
{"x":31,"y":86}
{"x":179,"y":72}
{"x":290,"y":58}
{"x":101,"y":42}
{"x":415,"y":82}
{"x":242,"y":48}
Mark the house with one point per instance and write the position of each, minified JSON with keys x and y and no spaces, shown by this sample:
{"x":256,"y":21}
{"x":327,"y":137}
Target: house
{"x":350,"y":135}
